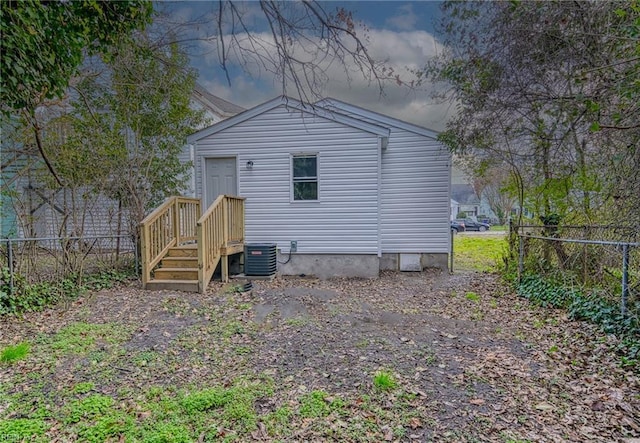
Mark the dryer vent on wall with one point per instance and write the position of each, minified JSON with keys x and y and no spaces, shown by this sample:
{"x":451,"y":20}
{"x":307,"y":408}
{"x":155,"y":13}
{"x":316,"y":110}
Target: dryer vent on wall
{"x":260,"y":259}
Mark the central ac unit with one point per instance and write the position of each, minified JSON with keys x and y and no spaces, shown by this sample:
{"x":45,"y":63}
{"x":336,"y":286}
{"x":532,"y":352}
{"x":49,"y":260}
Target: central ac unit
{"x":260,"y":259}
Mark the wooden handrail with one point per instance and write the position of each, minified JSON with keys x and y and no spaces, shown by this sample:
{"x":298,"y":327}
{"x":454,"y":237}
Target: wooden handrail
{"x":176,"y":223}
{"x":169,"y":225}
{"x":235,"y":219}
{"x":218,"y":227}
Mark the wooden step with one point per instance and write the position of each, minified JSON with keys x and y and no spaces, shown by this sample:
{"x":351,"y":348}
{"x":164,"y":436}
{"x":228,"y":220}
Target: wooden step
{"x":173,"y":285}
{"x":175,"y":274}
{"x":179,"y":262}
{"x":183,"y":251}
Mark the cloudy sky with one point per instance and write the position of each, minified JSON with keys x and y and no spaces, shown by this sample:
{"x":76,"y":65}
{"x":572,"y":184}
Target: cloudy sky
{"x":399,"y":33}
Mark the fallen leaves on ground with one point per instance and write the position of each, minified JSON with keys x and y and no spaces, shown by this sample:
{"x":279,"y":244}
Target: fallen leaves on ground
{"x":486,"y":367}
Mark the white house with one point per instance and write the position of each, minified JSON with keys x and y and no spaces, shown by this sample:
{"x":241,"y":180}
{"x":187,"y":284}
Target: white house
{"x":341,"y":190}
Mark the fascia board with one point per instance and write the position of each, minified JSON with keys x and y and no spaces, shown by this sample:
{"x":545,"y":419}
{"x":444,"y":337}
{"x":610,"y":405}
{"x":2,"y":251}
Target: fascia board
{"x":330,"y":103}
{"x":290,"y":103}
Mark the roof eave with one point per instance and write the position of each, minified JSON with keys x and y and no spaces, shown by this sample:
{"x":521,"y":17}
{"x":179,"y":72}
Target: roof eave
{"x":376,"y":129}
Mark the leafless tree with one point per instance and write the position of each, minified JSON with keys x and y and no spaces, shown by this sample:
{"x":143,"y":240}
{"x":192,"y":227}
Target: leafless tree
{"x":295,"y":42}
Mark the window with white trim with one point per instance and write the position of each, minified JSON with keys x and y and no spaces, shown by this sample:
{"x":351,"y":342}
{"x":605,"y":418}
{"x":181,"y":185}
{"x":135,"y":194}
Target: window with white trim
{"x":304,"y":176}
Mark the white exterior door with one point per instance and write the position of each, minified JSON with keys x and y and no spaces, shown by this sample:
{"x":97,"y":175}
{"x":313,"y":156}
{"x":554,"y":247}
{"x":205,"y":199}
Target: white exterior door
{"x":220,"y":178}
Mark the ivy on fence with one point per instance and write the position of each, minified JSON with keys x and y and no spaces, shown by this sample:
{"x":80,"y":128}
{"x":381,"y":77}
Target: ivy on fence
{"x":589,"y":307}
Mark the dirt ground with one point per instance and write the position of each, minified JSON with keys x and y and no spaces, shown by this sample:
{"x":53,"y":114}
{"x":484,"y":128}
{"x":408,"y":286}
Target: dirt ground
{"x":480,"y":362}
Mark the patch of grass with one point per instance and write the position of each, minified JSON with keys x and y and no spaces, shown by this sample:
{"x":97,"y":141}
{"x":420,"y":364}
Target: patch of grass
{"x":146,"y":358}
{"x":83,"y":388}
{"x":297,"y":321}
{"x":478,"y":253}
{"x":167,"y":433}
{"x":472,"y":296}
{"x":11,"y":354}
{"x":96,"y":405}
{"x":106,"y":428}
{"x":79,"y":338}
{"x":509,"y":439}
{"x":242,"y":350}
{"x":317,"y":404}
{"x":22,"y":429}
{"x":278,"y":422}
{"x":231,"y":328}
{"x":384,"y":381}
{"x":235,"y":405}
{"x":206,"y":399}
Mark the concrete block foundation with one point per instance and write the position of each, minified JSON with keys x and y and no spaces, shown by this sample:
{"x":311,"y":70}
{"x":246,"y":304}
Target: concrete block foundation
{"x":391,"y":261}
{"x":350,"y":265}
{"x":329,"y":265}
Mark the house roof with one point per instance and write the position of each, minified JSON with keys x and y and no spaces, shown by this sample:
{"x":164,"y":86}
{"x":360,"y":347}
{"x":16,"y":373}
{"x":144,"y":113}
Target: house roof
{"x":332,"y":103}
{"x":464,"y":194}
{"x":291,"y":103}
{"x":215,"y":103}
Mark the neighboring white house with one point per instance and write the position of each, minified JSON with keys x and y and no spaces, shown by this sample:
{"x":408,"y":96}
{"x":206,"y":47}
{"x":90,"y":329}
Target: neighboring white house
{"x":215,"y":109}
{"x":341,"y":190}
{"x":32,"y":204}
{"x":455,"y":209}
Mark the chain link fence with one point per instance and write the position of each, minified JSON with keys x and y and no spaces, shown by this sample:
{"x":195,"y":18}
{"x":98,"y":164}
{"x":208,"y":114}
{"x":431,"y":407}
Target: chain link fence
{"x":603,"y":261}
{"x":38,"y":260}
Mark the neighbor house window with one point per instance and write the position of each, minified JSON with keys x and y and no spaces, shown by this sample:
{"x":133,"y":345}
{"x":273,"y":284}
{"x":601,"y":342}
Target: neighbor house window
{"x":305,"y":176}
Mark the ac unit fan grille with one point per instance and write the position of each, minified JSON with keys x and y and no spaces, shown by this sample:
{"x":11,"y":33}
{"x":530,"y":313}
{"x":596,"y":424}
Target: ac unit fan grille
{"x":260,"y":259}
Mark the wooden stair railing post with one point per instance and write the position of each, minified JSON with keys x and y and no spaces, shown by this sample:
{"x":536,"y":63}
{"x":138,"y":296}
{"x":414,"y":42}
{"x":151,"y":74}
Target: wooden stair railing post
{"x":242,"y":221}
{"x":225,"y":239}
{"x":176,"y":220}
{"x":144,"y":255}
{"x":201,"y":253}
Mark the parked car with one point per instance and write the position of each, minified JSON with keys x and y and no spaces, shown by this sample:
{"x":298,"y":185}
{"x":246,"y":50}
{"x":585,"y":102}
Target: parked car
{"x":457,"y":226}
{"x":471,"y":225}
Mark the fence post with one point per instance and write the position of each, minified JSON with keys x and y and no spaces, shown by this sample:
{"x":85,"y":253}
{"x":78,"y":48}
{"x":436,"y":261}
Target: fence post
{"x":451,"y":250}
{"x":625,"y":278}
{"x":135,"y":259}
{"x":520,"y":258}
{"x":10,"y":259}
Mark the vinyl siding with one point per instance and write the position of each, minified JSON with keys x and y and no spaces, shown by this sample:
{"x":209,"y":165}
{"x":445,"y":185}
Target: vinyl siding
{"x":415,"y":190}
{"x":415,"y":194}
{"x":185,"y":155}
{"x":343,"y":221}
{"x":93,"y":215}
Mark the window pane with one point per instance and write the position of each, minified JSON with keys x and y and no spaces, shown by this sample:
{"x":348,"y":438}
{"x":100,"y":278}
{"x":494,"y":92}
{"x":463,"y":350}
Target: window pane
{"x":305,"y":166}
{"x":305,"y":191}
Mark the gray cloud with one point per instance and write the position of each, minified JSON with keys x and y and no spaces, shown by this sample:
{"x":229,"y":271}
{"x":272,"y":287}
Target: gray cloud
{"x":403,"y":50}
